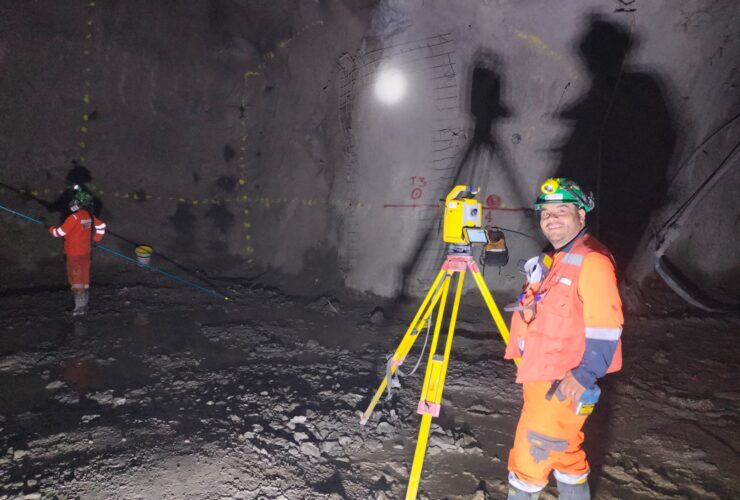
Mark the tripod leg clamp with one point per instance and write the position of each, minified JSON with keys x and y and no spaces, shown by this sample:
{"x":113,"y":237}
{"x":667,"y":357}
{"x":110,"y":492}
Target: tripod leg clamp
{"x":427,"y":408}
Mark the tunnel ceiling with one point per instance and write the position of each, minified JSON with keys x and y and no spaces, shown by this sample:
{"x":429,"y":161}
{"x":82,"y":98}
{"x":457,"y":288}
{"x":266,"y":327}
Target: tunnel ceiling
{"x":256,"y":140}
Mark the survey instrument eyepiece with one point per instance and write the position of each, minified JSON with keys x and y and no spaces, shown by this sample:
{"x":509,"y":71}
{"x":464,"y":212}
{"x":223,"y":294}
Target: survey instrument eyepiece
{"x":463,"y":217}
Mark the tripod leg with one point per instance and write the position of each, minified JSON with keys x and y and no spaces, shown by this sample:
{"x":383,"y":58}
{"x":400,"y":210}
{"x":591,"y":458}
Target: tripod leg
{"x":408,"y":340}
{"x":434,"y":381}
{"x":421,"y":448}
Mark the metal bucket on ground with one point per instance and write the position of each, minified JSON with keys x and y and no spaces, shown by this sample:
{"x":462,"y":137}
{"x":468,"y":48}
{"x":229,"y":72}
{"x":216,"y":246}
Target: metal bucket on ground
{"x":143,"y":254}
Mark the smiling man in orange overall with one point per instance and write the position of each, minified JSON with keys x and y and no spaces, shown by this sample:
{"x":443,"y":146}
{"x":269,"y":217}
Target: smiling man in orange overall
{"x":566,"y":329}
{"x":78,"y":234}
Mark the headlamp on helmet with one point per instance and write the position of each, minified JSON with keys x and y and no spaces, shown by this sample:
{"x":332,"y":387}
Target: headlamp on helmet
{"x":562,"y":190}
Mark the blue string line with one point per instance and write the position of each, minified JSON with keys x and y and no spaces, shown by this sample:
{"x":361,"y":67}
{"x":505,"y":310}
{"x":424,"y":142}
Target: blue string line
{"x":37,"y":221}
{"x":118,"y":254}
{"x":157,"y":270}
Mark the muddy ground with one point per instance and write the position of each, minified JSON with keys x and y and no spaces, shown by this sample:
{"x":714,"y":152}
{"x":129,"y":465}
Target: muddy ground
{"x":167,"y":393}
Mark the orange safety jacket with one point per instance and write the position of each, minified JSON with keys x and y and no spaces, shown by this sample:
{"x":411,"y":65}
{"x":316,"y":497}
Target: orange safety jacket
{"x":76,"y":232}
{"x":556,"y":317}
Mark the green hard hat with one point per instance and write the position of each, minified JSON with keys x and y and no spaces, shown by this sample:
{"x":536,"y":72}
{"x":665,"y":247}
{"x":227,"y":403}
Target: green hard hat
{"x":562,"y":190}
{"x":83,"y":196}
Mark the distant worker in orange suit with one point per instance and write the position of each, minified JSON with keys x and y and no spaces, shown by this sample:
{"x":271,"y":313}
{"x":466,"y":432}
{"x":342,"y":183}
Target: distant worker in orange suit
{"x":78,"y":234}
{"x":566,"y":328}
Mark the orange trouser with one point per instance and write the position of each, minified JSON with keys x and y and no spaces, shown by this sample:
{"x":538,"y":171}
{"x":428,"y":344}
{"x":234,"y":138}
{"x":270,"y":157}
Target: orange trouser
{"x":548,"y":437}
{"x":78,"y":272}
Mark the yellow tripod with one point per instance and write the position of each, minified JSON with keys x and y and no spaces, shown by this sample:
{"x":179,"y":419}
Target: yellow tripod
{"x":457,"y":263}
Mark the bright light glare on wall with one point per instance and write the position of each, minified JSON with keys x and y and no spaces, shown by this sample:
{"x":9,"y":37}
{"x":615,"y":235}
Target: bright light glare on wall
{"x":390,"y":87}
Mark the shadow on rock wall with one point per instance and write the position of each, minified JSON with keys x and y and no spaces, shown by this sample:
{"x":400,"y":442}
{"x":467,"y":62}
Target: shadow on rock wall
{"x":483,"y":154}
{"x":480,"y":155}
{"x":622,"y":140}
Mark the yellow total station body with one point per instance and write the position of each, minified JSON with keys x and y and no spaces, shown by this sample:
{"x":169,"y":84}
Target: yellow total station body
{"x":461,"y":212}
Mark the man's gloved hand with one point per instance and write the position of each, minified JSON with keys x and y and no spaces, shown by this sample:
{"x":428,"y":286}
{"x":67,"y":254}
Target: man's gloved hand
{"x":51,"y":230}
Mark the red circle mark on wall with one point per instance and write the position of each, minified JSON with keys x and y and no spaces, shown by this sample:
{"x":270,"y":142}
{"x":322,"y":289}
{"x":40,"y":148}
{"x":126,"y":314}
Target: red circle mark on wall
{"x":416,"y":193}
{"x":493,"y":201}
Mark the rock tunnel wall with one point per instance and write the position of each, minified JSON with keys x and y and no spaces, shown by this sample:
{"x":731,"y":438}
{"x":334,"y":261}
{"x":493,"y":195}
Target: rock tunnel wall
{"x":246,"y":139}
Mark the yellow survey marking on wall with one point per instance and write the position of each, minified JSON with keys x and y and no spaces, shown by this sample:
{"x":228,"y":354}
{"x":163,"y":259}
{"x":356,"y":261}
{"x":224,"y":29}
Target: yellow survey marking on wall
{"x":84,"y":141}
{"x":545,"y":50}
{"x":262,"y":202}
{"x":283,"y":44}
{"x":246,"y":223}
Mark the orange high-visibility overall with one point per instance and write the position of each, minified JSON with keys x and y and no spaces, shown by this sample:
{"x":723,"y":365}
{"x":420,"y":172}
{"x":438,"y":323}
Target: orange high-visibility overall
{"x":577,"y":300}
{"x":76,"y":231}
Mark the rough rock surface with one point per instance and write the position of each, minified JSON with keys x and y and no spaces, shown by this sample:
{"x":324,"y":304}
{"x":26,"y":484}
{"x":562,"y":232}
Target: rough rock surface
{"x":168,"y":395}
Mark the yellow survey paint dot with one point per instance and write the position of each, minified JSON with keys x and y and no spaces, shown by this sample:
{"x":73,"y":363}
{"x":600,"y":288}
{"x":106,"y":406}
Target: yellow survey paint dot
{"x":85,"y":117}
{"x":182,"y":200}
{"x":195,"y":202}
{"x":242,"y":181}
{"x":247,"y":237}
{"x":125,"y":195}
{"x":244,"y":197}
{"x":35,"y":193}
{"x":86,"y":99}
{"x":82,"y":145}
{"x":92,"y":4}
{"x":83,"y":130}
{"x":247,"y":225}
{"x":246,"y":212}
